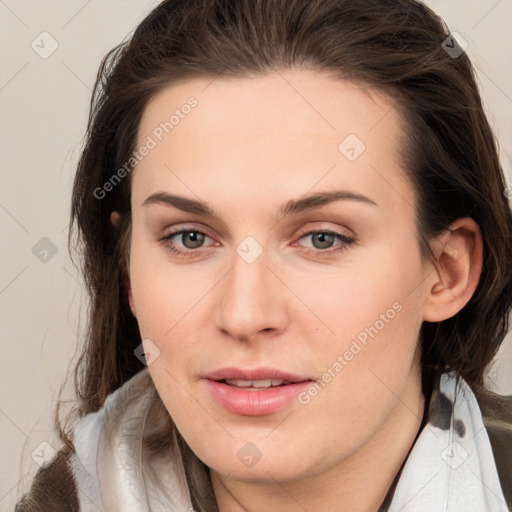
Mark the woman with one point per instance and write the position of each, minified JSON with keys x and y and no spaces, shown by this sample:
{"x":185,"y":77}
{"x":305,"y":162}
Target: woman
{"x":296,"y":239}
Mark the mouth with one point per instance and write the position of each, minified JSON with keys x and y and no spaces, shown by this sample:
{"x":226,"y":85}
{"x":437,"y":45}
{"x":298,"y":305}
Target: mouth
{"x":255,"y":385}
{"x":256,"y":392}
{"x":257,"y":377}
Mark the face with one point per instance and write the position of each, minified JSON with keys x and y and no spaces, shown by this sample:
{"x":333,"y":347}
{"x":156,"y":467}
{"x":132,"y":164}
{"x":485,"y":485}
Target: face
{"x":290,"y":261}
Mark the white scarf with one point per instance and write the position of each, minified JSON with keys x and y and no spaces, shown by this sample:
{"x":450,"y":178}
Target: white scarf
{"x":449,"y":469}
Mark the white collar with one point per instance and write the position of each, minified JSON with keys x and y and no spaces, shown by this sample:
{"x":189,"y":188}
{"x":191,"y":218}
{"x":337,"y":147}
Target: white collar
{"x":450,"y":467}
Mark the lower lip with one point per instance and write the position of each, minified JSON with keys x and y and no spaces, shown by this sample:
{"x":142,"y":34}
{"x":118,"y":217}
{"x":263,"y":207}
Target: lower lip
{"x":255,"y":403}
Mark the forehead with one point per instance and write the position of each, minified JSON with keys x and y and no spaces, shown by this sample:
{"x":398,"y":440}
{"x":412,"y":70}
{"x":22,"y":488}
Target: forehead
{"x":242,"y":133}
{"x":275,"y":101}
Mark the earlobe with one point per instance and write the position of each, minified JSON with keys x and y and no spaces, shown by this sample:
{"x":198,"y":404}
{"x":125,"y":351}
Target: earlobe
{"x":455,"y":277}
{"x":130,"y":300}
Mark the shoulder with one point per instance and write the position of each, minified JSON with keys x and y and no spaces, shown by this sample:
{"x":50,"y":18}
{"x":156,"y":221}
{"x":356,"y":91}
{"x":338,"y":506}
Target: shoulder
{"x":53,"y":488}
{"x":497,"y":419}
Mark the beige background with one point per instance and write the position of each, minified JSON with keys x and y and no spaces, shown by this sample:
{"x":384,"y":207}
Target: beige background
{"x":44,"y":104}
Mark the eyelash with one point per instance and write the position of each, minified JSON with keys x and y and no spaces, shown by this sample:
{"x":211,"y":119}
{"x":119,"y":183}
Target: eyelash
{"x":191,"y":253}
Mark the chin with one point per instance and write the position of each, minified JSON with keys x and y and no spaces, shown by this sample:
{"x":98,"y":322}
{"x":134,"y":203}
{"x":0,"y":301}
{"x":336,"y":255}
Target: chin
{"x":262,"y":472}
{"x":247,"y":463}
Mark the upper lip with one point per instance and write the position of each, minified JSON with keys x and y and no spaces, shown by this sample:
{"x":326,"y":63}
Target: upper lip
{"x":261,"y":373}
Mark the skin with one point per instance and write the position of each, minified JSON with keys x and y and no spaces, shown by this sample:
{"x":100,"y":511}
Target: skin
{"x":249,"y":146}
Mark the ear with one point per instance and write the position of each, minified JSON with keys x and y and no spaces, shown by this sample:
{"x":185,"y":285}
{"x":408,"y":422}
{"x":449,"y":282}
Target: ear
{"x":459,"y":260}
{"x":114,"y":218}
{"x":130,"y":300}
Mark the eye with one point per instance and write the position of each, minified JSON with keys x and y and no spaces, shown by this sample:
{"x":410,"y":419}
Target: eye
{"x":193,"y":239}
{"x":323,"y":239}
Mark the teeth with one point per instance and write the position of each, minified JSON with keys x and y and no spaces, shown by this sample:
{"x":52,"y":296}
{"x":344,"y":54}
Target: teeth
{"x":255,"y":383}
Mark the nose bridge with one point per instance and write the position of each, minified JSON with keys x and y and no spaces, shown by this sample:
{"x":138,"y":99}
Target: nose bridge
{"x":251,"y":299}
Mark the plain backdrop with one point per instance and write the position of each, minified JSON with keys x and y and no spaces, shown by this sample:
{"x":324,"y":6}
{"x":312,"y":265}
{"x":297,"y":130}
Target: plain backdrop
{"x":51,"y":51}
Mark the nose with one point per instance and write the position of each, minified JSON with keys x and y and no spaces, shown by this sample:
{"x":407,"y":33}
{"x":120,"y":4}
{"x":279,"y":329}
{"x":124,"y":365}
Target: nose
{"x":254,"y":300}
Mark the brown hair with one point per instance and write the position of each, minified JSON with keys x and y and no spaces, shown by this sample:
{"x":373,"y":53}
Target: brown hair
{"x":395,"y":46}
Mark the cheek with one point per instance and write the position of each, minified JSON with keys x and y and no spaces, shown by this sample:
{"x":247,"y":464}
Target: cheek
{"x":375,"y":316}
{"x":371,"y":296}
{"x":164,"y":294}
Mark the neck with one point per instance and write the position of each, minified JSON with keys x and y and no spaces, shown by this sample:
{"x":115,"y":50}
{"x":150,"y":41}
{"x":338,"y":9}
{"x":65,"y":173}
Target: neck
{"x":358,"y":483}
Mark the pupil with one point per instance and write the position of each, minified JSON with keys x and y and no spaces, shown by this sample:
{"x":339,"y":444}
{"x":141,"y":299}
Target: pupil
{"x":323,"y":240}
{"x":195,"y":237}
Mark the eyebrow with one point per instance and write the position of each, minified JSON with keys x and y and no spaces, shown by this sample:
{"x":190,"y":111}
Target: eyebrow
{"x":293,"y":206}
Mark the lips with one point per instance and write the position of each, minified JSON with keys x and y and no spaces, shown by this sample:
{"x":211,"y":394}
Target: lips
{"x":257,"y":374}
{"x":255,"y":392}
